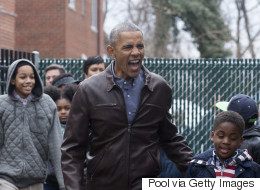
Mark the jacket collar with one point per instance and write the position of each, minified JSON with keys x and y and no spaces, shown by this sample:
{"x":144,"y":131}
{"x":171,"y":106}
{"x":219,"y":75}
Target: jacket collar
{"x":111,"y":82}
{"x":206,"y":158}
{"x":252,"y":131}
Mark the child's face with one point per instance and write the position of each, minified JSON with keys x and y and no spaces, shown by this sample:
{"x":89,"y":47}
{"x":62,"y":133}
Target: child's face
{"x":227,"y":139}
{"x":24,"y":81}
{"x":63,"y":108}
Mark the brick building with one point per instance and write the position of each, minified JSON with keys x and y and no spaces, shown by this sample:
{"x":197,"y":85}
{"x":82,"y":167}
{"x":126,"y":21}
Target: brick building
{"x":7,"y":24}
{"x":58,"y":28}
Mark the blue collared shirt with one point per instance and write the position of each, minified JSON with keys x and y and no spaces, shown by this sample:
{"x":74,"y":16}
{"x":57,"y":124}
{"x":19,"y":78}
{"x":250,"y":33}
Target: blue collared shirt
{"x":132,"y":91}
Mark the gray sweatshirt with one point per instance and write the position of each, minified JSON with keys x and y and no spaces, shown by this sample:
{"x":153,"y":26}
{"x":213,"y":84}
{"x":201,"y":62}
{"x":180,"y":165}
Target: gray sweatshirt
{"x":28,"y":135}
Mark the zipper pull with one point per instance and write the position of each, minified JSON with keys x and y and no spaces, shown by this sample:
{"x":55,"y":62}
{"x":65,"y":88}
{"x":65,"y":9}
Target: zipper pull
{"x":129,"y":128}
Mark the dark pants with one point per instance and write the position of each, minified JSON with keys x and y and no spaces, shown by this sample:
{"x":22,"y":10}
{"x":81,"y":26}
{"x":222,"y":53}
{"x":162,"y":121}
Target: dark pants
{"x":49,"y":187}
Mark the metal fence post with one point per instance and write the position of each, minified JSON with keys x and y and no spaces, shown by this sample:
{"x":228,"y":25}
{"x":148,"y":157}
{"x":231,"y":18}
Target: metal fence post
{"x":36,"y":59}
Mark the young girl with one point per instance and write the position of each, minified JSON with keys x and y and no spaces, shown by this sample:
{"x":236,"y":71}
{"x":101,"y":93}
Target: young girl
{"x":29,"y":131}
{"x":63,"y":102}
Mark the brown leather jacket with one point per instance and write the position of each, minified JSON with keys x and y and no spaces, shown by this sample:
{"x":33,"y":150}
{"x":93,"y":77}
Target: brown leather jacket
{"x":119,"y":154}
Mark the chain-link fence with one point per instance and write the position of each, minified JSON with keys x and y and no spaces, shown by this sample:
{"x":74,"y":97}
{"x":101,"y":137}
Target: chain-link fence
{"x":197,"y":84}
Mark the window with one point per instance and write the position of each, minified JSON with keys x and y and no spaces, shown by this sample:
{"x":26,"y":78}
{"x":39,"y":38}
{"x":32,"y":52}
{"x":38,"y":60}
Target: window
{"x":72,"y":4}
{"x":94,"y":15}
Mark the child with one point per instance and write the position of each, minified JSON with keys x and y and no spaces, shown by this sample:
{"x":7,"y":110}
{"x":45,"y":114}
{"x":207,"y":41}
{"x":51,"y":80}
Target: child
{"x":247,"y":108}
{"x":62,"y":100}
{"x":29,"y":130}
{"x":63,"y":103}
{"x":225,"y":160}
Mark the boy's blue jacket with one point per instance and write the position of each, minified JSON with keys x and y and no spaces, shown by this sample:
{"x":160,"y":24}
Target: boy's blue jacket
{"x":244,"y":169}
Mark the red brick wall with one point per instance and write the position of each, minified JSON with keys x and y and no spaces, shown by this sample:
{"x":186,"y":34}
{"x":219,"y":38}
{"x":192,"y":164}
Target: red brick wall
{"x":40,"y":26}
{"x":80,"y":38}
{"x":101,"y":32}
{"x":7,"y":24}
{"x":56,"y":31}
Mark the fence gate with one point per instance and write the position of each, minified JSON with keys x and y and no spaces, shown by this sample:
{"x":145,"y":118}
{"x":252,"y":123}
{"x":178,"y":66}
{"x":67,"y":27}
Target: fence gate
{"x":9,"y":56}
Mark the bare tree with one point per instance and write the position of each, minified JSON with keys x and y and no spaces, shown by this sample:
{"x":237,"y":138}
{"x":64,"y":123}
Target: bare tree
{"x":237,"y":40}
{"x":147,"y":16}
{"x":250,"y":40}
{"x":246,"y":15}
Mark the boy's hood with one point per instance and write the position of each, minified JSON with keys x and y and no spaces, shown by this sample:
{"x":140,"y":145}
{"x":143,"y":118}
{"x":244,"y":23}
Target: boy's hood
{"x":38,"y":88}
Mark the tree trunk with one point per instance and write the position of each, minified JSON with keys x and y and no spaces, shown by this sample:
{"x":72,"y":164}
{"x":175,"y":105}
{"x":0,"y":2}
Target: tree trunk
{"x":251,"y":45}
{"x":237,"y":40}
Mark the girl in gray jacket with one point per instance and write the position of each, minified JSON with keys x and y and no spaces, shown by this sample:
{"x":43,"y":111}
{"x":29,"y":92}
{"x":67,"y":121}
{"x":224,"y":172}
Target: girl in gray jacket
{"x":30,"y":131}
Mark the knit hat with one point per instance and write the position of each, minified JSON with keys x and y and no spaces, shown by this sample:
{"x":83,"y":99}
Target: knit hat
{"x":242,"y":104}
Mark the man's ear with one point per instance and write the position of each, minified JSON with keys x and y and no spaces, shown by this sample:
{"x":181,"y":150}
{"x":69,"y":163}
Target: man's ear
{"x":110,"y":51}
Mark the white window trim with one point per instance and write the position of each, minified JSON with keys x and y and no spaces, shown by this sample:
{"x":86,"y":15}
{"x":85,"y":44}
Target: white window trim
{"x":72,"y":5}
{"x":83,"y":7}
{"x":94,"y":29}
{"x":94,"y":16}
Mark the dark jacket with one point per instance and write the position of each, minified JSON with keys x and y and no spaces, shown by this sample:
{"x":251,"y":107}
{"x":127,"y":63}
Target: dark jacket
{"x":120,"y":154}
{"x":200,"y":168}
{"x":252,"y":142}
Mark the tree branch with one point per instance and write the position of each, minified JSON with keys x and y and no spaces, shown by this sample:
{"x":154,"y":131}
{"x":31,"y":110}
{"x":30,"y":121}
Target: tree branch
{"x":251,"y":46}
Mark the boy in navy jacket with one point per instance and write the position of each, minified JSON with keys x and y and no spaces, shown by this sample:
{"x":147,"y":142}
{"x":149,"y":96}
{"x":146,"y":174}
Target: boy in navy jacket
{"x":225,"y":160}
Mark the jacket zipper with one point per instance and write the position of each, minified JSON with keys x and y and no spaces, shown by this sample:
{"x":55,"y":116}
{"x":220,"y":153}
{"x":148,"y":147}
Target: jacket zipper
{"x":128,"y":136}
{"x":128,"y":141}
{"x":23,"y":143}
{"x":129,"y":126}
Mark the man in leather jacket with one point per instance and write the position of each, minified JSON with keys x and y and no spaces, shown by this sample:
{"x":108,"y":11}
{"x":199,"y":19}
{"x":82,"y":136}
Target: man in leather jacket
{"x":247,"y":108}
{"x":126,"y":109}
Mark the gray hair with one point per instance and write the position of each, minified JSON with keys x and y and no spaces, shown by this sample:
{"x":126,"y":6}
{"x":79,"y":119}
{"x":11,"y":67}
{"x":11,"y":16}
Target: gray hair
{"x":122,"y":27}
